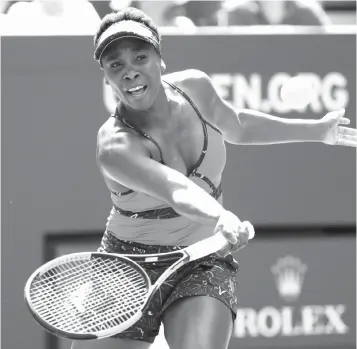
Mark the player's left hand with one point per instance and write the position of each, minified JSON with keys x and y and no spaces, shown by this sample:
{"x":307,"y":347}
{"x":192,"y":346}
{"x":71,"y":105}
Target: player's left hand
{"x":334,"y":133}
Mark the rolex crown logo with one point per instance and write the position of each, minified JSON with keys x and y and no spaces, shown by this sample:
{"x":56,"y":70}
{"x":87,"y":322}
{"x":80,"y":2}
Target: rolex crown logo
{"x":289,"y":276}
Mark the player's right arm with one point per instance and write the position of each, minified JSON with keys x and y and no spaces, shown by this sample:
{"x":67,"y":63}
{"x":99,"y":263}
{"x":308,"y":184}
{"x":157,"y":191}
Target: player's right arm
{"x":124,"y":159}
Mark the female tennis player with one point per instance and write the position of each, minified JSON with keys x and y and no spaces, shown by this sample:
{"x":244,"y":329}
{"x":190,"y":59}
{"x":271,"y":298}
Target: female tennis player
{"x":162,"y":154}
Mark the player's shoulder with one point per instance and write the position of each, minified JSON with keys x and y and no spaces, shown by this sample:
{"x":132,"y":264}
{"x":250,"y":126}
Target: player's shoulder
{"x":188,"y":76}
{"x":113,"y":137}
{"x":199,"y":88}
{"x":192,"y":81}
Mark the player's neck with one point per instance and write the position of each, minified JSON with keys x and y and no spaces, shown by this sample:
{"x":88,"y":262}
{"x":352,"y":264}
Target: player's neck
{"x":157,"y":116}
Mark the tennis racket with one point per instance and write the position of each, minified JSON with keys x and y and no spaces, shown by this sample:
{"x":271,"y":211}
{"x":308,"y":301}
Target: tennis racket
{"x":91,"y":295}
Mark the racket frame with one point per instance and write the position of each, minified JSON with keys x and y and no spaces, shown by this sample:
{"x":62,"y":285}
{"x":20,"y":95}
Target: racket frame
{"x":180,"y":258}
{"x":73,"y":335}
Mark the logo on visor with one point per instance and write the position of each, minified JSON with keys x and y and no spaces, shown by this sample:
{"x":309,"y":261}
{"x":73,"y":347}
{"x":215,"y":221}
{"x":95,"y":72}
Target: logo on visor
{"x":289,"y":275}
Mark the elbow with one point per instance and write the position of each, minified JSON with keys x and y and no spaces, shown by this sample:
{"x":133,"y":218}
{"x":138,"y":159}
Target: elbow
{"x":247,"y":125}
{"x":245,"y":136}
{"x":242,"y":135}
{"x":176,"y":193}
{"x":184,"y":199}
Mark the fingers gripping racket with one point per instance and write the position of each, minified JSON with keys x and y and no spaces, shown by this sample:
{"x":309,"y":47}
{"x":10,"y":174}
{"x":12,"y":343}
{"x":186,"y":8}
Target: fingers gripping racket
{"x":93,"y":295}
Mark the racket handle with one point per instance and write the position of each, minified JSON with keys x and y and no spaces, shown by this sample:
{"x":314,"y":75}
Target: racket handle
{"x":215,"y":244}
{"x":208,"y":246}
{"x":225,"y":245}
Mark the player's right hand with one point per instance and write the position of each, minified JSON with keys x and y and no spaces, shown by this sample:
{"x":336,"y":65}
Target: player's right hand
{"x":234,"y":230}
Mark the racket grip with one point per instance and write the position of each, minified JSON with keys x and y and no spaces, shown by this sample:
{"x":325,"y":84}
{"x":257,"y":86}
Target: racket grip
{"x":215,"y":244}
{"x":225,"y":246}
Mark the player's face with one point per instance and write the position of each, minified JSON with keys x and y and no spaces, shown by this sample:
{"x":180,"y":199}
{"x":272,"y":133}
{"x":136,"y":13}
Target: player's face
{"x":133,"y":69}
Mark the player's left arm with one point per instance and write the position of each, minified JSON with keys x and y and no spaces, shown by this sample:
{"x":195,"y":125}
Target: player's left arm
{"x":248,"y":126}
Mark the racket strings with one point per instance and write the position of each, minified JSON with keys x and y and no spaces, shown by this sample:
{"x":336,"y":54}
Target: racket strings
{"x":77,"y":292}
{"x":81,"y":293}
{"x":89,"y":295}
{"x":91,"y":303}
